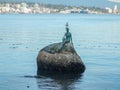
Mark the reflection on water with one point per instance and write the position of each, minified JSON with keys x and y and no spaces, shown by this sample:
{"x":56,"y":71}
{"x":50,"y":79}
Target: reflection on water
{"x":59,"y":81}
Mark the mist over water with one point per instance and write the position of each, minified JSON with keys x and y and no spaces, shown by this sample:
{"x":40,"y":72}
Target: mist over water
{"x":96,"y":39}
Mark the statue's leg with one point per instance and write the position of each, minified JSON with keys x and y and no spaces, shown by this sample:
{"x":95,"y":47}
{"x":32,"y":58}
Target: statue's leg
{"x":62,"y":45}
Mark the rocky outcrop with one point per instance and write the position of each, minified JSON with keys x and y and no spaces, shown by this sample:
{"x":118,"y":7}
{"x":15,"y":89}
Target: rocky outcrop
{"x":60,"y":58}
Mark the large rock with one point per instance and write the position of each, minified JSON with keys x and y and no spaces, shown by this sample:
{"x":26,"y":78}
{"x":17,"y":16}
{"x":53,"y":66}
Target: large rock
{"x":65,"y":59}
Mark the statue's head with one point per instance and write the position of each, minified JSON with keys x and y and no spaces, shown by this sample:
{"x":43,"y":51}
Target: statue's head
{"x":67,"y":29}
{"x":67,"y":24}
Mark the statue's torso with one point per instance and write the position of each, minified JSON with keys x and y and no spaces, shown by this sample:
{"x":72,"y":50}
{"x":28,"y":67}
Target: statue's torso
{"x":68,"y":36}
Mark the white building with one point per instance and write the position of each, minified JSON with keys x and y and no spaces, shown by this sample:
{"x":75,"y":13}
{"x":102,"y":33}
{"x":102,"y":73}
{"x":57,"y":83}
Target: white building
{"x":36,"y":8}
{"x":23,"y":8}
{"x":115,"y":9}
{"x":109,"y":10}
{"x":65,"y":11}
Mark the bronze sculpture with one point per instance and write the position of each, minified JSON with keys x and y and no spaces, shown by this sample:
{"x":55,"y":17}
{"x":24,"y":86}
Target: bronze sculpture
{"x":67,"y":37}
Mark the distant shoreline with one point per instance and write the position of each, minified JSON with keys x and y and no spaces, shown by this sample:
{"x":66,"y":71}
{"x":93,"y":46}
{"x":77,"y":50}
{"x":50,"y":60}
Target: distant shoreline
{"x":37,"y":8}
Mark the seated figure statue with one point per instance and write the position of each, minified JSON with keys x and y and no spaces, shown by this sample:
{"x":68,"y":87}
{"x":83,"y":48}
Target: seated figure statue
{"x":67,"y":37}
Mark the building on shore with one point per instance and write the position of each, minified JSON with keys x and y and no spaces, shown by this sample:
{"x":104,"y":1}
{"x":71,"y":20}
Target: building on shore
{"x":110,"y":11}
{"x":37,"y":8}
{"x":115,"y":11}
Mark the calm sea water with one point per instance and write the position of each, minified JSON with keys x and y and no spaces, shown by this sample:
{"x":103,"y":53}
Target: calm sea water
{"x":96,"y":39}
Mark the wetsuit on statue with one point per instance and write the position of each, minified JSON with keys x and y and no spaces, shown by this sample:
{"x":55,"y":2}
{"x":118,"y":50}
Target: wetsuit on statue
{"x":67,"y":37}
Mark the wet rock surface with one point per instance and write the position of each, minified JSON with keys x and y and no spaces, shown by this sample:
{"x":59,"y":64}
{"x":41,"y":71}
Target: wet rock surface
{"x":59,"y":58}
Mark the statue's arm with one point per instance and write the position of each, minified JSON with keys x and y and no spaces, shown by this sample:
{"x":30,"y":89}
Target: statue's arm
{"x":71,"y":37}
